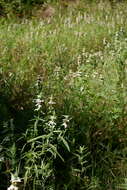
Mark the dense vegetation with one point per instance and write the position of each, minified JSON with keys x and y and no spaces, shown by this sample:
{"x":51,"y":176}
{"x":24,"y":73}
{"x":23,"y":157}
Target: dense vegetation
{"x":63,"y":102}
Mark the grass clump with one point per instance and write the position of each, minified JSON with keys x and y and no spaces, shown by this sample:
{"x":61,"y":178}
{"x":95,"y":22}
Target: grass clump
{"x":63,"y":84}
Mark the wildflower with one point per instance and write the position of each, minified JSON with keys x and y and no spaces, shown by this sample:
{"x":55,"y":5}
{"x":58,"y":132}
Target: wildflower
{"x":51,"y":102}
{"x":81,"y":89}
{"x":66,"y":121}
{"x":16,"y":183}
{"x":38,"y":103}
{"x":51,"y":123}
{"x":13,"y":187}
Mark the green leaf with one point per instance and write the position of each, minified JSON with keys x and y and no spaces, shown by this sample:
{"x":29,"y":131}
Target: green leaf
{"x":65,"y":143}
{"x":55,"y":150}
{"x":39,"y":137}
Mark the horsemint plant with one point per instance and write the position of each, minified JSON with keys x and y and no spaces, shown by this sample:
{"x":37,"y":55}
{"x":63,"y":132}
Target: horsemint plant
{"x":43,"y":138}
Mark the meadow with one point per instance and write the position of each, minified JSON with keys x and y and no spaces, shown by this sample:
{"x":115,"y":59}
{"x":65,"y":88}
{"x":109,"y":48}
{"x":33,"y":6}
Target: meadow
{"x":63,"y":98}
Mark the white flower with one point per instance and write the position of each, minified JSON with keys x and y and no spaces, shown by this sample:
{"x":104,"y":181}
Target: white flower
{"x":51,"y":102}
{"x":81,"y":89}
{"x":51,"y":123}
{"x":65,"y":125}
{"x":66,"y":121}
{"x":38,"y":103}
{"x":12,"y":187}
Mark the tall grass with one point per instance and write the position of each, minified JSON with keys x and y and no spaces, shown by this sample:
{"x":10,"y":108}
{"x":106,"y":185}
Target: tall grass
{"x":63,"y":82}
